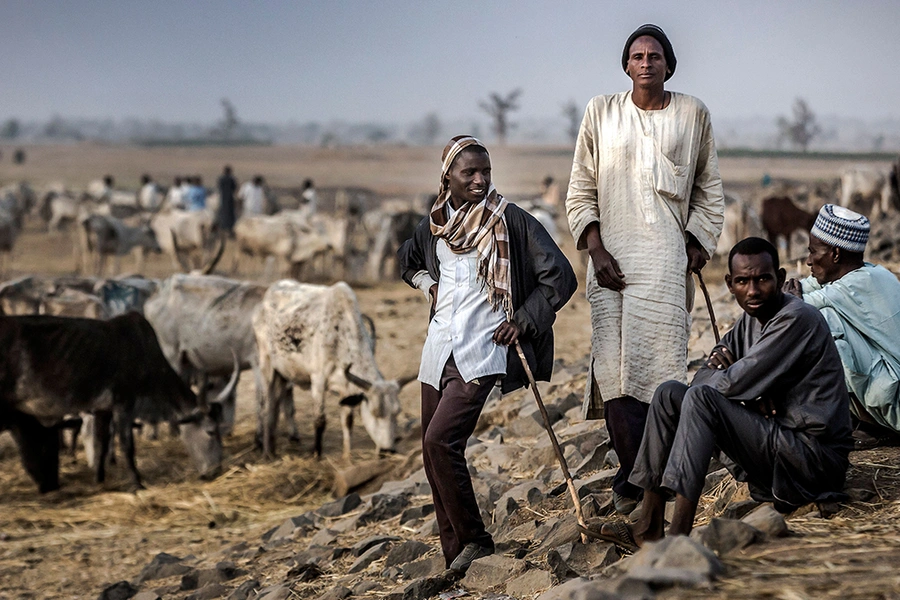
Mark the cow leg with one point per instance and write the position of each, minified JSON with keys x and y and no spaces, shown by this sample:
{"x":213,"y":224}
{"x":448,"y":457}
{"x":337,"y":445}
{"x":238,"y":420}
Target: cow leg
{"x":287,"y":407}
{"x":346,"y":427}
{"x":275,"y":392}
{"x":89,"y":427}
{"x":125,"y":434}
{"x":317,"y":388}
{"x":102,"y":422}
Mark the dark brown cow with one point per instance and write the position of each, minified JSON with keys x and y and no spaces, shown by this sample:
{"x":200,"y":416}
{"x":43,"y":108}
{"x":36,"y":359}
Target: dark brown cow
{"x":51,"y":367}
{"x":781,"y":217}
{"x":38,"y":447}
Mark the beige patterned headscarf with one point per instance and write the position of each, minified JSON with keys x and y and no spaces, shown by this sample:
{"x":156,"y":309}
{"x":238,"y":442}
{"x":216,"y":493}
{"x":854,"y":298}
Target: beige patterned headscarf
{"x":480,"y":226}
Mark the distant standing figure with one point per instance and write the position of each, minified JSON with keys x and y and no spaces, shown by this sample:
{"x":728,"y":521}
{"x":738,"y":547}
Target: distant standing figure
{"x":227,"y":188}
{"x":19,"y":156}
{"x":308,"y":198}
{"x":196,"y":195}
{"x":149,"y":197}
{"x":550,"y":193}
{"x":175,"y":197}
{"x":253,"y":196}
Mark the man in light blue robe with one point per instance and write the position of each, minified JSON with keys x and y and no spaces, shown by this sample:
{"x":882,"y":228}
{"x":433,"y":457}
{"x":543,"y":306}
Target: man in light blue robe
{"x":861,"y":304}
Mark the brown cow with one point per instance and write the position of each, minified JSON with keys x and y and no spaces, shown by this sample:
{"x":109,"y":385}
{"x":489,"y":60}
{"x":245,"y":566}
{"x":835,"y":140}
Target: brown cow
{"x":781,"y":217}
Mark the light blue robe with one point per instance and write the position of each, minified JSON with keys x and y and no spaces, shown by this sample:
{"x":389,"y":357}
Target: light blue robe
{"x":862,"y":309}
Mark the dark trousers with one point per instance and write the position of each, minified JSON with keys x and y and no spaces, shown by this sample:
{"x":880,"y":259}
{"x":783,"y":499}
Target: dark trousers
{"x":625,"y":420}
{"x":449,"y":416}
{"x":686,"y":425}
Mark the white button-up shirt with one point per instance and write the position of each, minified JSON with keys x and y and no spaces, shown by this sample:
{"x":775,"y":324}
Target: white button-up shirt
{"x":463,"y":323}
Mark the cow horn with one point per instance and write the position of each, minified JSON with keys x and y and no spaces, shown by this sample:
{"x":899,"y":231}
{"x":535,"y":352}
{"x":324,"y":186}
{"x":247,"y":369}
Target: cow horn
{"x":232,"y":383}
{"x":181,"y":260}
{"x":408,"y":378}
{"x":356,"y":380}
{"x":206,"y":270}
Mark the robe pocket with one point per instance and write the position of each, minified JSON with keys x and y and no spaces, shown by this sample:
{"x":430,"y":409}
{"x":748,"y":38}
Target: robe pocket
{"x":671,"y":179}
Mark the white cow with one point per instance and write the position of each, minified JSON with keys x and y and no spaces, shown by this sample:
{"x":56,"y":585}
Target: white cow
{"x":868,"y":190}
{"x":314,"y":337}
{"x":183,"y":233}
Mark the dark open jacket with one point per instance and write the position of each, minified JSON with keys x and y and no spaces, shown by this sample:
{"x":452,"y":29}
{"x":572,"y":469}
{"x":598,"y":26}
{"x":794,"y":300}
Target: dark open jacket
{"x":542,"y":282}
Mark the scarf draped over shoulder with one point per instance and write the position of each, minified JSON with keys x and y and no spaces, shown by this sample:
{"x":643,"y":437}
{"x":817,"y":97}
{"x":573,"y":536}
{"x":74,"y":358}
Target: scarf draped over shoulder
{"x":480,"y":227}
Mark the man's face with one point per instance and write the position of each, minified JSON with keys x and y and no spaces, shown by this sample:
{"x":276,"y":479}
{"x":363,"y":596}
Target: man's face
{"x":822,"y":261}
{"x":646,"y":62}
{"x":756,"y":285}
{"x":469,"y":177}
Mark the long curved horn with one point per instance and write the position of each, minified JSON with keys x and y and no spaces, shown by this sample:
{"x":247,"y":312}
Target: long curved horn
{"x":206,"y":270}
{"x":359,"y":381}
{"x":232,"y":383}
{"x":178,"y":256}
{"x":408,"y":378}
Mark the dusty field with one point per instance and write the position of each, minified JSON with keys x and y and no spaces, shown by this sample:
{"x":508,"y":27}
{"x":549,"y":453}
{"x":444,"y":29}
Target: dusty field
{"x":70,"y":543}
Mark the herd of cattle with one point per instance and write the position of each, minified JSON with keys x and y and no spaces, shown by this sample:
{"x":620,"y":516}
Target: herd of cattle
{"x":107,"y":353}
{"x":138,"y":345}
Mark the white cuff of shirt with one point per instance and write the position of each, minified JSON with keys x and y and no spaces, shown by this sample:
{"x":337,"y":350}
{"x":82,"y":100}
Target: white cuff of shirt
{"x":423,"y":281}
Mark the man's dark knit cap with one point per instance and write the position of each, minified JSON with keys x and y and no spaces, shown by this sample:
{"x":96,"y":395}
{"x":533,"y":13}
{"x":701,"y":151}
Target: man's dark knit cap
{"x":660,"y":36}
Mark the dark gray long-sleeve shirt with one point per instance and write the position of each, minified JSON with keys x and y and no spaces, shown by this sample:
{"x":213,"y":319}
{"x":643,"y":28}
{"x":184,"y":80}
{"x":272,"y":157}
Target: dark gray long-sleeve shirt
{"x":793,"y":361}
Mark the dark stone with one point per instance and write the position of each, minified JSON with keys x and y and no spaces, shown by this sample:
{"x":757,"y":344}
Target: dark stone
{"x":368,"y":557}
{"x":424,"y":567}
{"x":305,"y":572}
{"x":365,"y":586}
{"x":315,"y":555}
{"x":223,"y":571}
{"x":415,"y":513}
{"x":426,"y":587}
{"x":555,"y":532}
{"x":384,"y":506}
{"x":674,"y":560}
{"x":336,"y":593}
{"x":529,"y":583}
{"x":208,"y":592}
{"x":360,"y":547}
{"x":163,"y":565}
{"x":715,"y":478}
{"x":593,"y":461}
{"x":491,"y":571}
{"x":406,"y":552}
{"x":190,"y":580}
{"x":738,"y":510}
{"x":275,"y":592}
{"x":324,"y":537}
{"x":340,"y":506}
{"x":557,"y":560}
{"x":304,"y":523}
{"x":244,"y":590}
{"x":599,"y":482}
{"x":122,"y":590}
{"x":726,"y":535}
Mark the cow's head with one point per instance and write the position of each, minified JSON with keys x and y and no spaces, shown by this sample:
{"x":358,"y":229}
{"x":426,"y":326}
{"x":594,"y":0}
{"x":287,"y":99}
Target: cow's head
{"x":378,"y":407}
{"x":203,"y":440}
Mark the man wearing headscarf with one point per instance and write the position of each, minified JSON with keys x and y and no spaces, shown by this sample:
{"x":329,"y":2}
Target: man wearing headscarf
{"x":494,"y":277}
{"x":645,"y":200}
{"x":861,"y":304}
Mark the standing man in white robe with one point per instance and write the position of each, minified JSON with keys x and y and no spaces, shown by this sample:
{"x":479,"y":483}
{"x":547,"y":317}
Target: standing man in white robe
{"x":645,"y":200}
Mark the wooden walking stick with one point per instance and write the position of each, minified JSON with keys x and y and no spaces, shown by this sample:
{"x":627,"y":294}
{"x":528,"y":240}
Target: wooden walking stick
{"x":709,"y":306}
{"x":579,"y":515}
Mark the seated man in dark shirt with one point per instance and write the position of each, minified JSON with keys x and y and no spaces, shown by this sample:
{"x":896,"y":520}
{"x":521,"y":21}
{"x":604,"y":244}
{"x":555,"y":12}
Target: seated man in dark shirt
{"x":771,"y":397}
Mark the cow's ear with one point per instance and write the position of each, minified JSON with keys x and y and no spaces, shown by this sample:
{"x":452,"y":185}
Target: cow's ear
{"x":353,"y":400}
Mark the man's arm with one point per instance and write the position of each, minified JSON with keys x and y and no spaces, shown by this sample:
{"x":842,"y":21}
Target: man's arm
{"x":556,"y":281}
{"x":764,"y":366}
{"x":706,"y":212}
{"x":411,"y":256}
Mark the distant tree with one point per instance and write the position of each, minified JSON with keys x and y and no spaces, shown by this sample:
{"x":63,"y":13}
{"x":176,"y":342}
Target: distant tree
{"x":229,"y":122}
{"x":427,"y":130}
{"x":11,"y":129}
{"x":802,"y":129}
{"x":572,"y":113}
{"x":499,"y":107}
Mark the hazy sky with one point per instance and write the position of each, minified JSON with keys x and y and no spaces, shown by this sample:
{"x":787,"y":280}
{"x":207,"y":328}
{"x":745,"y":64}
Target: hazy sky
{"x":395,"y":61}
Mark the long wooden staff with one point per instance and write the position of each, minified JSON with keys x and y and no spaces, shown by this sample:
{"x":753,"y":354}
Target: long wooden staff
{"x":709,"y":307}
{"x":579,"y":515}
